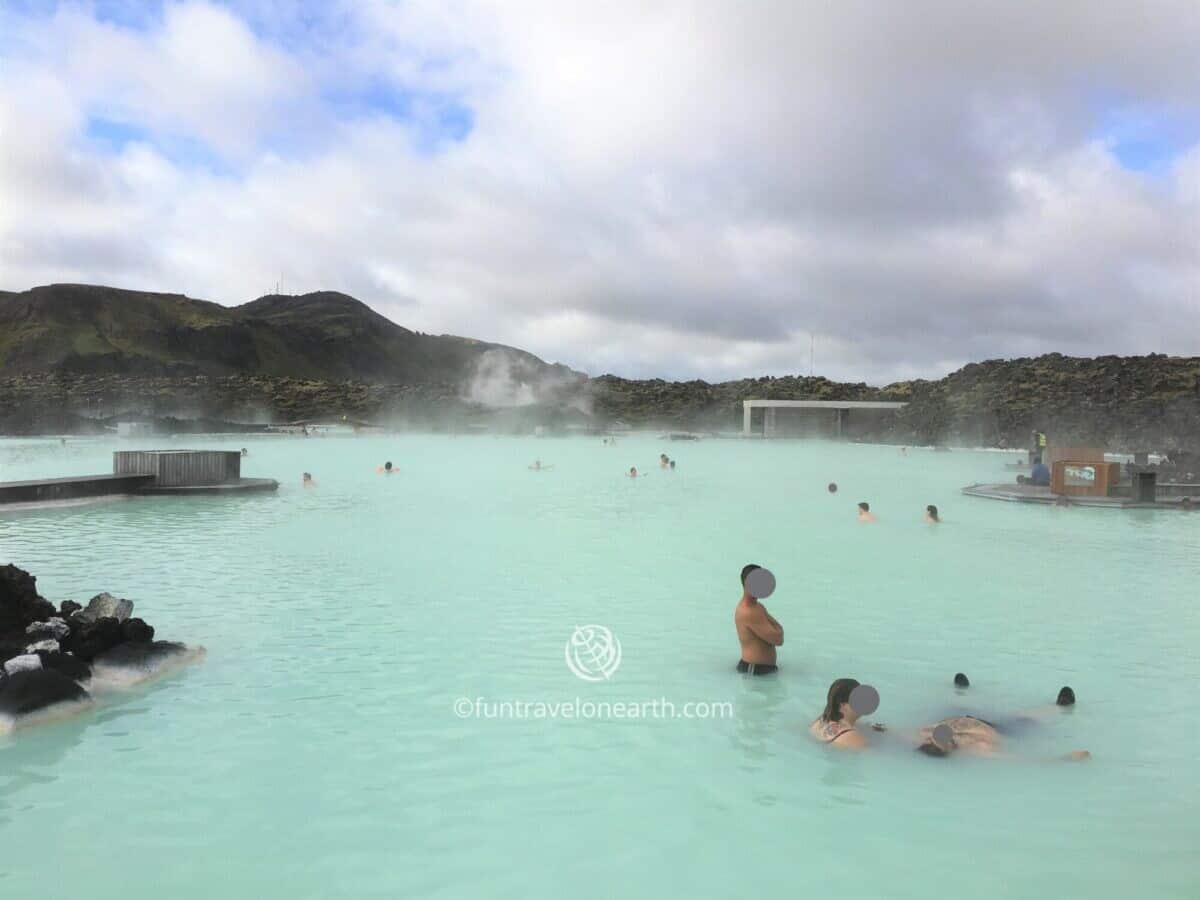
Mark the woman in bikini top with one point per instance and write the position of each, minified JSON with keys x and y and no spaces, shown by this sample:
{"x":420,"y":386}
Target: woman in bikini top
{"x":836,"y":724}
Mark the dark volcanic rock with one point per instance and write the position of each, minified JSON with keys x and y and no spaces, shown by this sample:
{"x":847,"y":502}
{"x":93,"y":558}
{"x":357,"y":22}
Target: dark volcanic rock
{"x":19,"y":601}
{"x":88,"y":639}
{"x":137,"y":631}
{"x":68,"y":608}
{"x":143,"y":655}
{"x":68,"y":665}
{"x":106,"y":606}
{"x":27,"y":692}
{"x":53,"y":629}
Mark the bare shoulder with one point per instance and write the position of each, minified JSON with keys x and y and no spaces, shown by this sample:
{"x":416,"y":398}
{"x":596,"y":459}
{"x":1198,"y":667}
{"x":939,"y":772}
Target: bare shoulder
{"x":852,"y":739}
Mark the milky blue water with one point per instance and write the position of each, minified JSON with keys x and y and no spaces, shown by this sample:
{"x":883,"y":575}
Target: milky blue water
{"x":317,"y":752}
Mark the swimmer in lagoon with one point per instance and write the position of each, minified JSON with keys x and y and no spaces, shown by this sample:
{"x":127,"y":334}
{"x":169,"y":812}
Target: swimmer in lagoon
{"x":975,"y":734}
{"x":387,"y":469}
{"x":961,"y":680}
{"x":245,"y":452}
{"x":672,"y":465}
{"x":633,"y":472}
{"x":931,"y":515}
{"x":833,"y":487}
{"x":757,"y":631}
{"x":865,"y":514}
{"x":836,"y":724}
{"x":538,"y":467}
{"x":307,"y":480}
{"x":663,"y":460}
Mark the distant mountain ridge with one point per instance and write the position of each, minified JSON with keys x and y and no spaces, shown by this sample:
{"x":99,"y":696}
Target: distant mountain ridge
{"x":326,"y":335}
{"x":78,"y":357}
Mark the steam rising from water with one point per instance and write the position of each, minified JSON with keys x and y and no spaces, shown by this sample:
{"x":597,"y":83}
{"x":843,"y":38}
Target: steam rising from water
{"x":504,"y":379}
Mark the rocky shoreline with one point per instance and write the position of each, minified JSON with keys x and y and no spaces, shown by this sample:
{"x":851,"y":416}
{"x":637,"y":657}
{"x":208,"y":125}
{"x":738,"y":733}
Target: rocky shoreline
{"x":52,"y":658}
{"x":1126,"y":404}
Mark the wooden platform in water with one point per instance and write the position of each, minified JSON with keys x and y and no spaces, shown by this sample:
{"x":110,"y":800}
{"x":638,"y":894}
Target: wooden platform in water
{"x":1028,"y":493}
{"x":46,"y":490}
{"x":241,"y":486}
{"x":86,"y":487}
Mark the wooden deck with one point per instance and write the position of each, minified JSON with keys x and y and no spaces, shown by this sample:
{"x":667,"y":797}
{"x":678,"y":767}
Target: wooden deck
{"x":1028,"y":493}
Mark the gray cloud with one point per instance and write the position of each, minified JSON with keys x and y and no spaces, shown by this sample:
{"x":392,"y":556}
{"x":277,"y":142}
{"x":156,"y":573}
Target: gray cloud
{"x":683,"y":190}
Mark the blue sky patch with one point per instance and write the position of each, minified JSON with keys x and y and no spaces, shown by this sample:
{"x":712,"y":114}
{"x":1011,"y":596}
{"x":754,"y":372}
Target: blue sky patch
{"x":114,"y":135}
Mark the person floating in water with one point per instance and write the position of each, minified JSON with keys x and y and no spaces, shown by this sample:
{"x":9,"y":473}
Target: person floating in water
{"x":633,"y":472}
{"x":307,"y":480}
{"x":538,"y":467}
{"x":757,"y":631}
{"x":387,"y":469}
{"x":931,"y":515}
{"x":663,"y":460}
{"x":975,"y":734}
{"x":245,"y":452}
{"x":972,"y":734}
{"x":673,"y":468}
{"x":865,"y":514}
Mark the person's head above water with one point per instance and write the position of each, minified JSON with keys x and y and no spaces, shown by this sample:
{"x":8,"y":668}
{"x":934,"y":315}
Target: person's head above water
{"x":864,"y":506}
{"x":961,"y":680}
{"x":672,"y":464}
{"x":837,"y":703}
{"x":307,"y":476}
{"x":387,"y":466}
{"x":633,"y":470}
{"x":833,"y":487}
{"x":746,"y":570}
{"x":932,"y":512}
{"x":1066,"y":697}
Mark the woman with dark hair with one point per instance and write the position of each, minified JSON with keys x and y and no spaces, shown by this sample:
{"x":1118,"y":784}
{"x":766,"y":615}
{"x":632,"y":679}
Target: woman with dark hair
{"x":836,"y":724}
{"x":931,"y":515}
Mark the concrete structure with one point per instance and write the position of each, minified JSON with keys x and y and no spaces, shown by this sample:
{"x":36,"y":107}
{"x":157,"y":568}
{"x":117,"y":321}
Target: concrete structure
{"x":145,"y":472}
{"x":840,"y":408}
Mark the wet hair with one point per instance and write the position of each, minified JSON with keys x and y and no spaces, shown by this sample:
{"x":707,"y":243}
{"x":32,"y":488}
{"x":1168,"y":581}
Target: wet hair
{"x":672,"y":464}
{"x":746,"y":570}
{"x":632,"y":469}
{"x":865,"y":506}
{"x":930,"y":748}
{"x":662,"y":456}
{"x":307,"y":476}
{"x":961,"y":680}
{"x":839,"y":693}
{"x":1066,"y":697}
{"x":833,"y":487}
{"x":932,"y":510}
{"x":388,"y":465}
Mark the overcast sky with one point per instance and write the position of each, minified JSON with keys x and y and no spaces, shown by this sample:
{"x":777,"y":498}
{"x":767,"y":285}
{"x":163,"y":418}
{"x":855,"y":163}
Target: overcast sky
{"x":653,"y":189}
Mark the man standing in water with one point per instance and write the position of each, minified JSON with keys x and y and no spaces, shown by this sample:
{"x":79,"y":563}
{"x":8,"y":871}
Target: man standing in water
{"x":758,"y":633}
